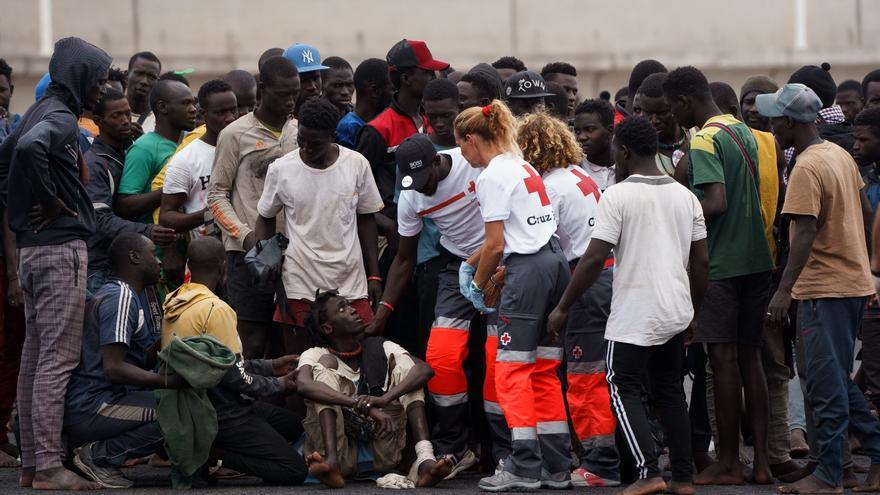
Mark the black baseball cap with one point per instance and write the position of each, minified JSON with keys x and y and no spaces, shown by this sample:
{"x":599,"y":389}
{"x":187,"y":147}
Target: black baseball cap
{"x":406,"y":54}
{"x":525,"y":84}
{"x":414,"y":157}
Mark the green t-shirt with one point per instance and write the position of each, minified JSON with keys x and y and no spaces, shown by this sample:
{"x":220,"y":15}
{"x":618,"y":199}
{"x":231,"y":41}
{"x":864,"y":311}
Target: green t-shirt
{"x":143,"y":160}
{"x":737,"y":245}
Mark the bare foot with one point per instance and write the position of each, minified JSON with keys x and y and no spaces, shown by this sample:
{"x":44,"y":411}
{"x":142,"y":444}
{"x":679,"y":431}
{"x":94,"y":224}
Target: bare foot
{"x":872,"y":481}
{"x":645,"y":487}
{"x":761,"y":476}
{"x":681,"y":488}
{"x":7,"y":461}
{"x":324,"y":471}
{"x":787,"y":472}
{"x":702,"y":460}
{"x":61,"y":479}
{"x":27,"y":477}
{"x":721,"y":474}
{"x":432,"y":472}
{"x":849,"y":478}
{"x":810,"y":485}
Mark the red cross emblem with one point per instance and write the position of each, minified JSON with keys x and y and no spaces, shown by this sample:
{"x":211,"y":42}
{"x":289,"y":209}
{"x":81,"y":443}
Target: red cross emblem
{"x":472,"y":187}
{"x":534,"y":184}
{"x":577,"y":352}
{"x":586,"y":184}
{"x":505,"y":338}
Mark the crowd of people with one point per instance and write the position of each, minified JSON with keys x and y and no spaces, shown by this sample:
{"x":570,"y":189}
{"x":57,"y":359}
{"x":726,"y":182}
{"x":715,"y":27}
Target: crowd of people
{"x":403,"y":272}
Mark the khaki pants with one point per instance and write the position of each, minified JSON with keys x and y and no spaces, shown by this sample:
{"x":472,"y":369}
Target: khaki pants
{"x":387,"y":452}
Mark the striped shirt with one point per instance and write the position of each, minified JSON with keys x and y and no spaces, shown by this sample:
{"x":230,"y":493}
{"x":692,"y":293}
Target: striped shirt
{"x":115,"y":315}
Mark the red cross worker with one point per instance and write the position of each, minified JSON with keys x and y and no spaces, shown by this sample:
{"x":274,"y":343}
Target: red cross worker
{"x":519,"y":225}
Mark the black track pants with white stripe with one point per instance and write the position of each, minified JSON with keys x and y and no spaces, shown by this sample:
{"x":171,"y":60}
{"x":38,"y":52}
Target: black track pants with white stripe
{"x":630,"y":369}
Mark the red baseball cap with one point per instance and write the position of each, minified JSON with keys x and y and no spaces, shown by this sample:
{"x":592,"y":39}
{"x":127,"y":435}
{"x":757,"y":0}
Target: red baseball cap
{"x":406,"y":54}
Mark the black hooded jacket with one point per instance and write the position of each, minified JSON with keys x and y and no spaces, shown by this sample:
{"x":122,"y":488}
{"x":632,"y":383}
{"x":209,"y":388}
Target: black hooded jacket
{"x":40,"y":160}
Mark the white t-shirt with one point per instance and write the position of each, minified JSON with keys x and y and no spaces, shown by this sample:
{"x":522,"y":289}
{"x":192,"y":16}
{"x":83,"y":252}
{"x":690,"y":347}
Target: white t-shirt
{"x":605,"y":177}
{"x":510,"y":190}
{"x":189,"y":172}
{"x":320,"y":210}
{"x":652,"y":221}
{"x":453,"y":208}
{"x":575,"y":196}
{"x":313,"y":355}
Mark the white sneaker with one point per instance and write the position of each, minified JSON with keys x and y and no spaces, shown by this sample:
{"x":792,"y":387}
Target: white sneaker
{"x":505,"y":481}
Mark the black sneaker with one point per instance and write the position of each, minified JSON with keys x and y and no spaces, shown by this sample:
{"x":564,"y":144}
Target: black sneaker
{"x":107,"y":477}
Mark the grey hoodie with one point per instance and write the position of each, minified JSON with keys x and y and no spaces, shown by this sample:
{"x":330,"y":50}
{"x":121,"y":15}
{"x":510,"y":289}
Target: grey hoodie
{"x":41,"y":159}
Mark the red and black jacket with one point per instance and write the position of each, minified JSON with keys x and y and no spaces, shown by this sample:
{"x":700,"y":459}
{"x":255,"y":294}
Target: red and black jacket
{"x":378,"y":140}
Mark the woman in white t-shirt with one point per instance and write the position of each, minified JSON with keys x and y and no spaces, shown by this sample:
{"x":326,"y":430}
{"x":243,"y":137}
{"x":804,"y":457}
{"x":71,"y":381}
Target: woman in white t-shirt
{"x":520,"y":224}
{"x":549,"y":145}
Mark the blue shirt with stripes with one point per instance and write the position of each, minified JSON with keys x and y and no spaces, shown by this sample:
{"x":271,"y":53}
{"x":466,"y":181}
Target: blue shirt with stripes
{"x":116,"y":315}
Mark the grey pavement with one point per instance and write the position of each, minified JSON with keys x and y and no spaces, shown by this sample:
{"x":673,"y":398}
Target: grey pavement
{"x":152,"y":481}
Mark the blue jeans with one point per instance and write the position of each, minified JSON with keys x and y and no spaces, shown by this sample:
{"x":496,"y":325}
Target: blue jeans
{"x":829,"y":328}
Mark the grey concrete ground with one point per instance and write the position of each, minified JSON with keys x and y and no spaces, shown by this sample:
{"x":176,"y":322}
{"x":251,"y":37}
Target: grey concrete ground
{"x":154,"y":481}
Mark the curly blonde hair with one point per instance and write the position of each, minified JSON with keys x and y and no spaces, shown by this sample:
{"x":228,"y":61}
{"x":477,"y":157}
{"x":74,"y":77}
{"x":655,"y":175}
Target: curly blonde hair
{"x":547,"y":143}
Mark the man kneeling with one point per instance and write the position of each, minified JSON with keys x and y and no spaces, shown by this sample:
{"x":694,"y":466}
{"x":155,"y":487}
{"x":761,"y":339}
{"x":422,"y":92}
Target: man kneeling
{"x":110,"y":409}
{"x":253,"y":437}
{"x":362,"y":391}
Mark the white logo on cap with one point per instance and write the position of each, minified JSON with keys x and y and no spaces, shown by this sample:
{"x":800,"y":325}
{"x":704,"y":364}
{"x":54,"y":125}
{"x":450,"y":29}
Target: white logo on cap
{"x":527,"y":84}
{"x":416,"y":164}
{"x":308,"y":57}
{"x":509,"y":90}
{"x":406,"y":181}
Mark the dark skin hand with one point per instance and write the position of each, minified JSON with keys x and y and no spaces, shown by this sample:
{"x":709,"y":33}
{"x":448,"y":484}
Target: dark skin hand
{"x":699,"y":279}
{"x":585,"y":274}
{"x":131,"y":206}
{"x":714,"y":201}
{"x":590,"y":266}
{"x":162,"y":236}
{"x":121,"y":372}
{"x":388,"y":228}
{"x":136,"y":131}
{"x":398,"y":279}
{"x":368,"y":236}
{"x":170,"y":215}
{"x":805,"y":229}
{"x":285,"y":365}
{"x":42,"y":215}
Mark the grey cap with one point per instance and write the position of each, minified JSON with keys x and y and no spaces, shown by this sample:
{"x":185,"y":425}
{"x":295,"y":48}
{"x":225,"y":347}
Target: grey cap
{"x":525,"y":84}
{"x":414,"y":157}
{"x":793,"y":100}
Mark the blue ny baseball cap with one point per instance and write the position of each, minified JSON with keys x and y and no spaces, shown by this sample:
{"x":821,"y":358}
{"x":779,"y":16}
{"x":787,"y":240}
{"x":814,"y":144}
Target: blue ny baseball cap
{"x":793,"y":100}
{"x":305,"y":57}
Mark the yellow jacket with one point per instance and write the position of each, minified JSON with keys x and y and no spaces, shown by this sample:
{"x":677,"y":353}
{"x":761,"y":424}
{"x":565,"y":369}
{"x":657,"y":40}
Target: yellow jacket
{"x":192,"y":310}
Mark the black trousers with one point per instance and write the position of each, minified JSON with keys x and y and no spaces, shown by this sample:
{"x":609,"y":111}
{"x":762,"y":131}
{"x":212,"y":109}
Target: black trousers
{"x":627,"y":366}
{"x":260,"y":445}
{"x":701,"y":429}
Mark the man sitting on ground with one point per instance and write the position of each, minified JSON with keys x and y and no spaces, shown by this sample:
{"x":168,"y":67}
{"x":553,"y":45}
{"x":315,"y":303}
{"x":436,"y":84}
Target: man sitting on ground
{"x":348,"y":383}
{"x":252,"y":437}
{"x":110,"y":409}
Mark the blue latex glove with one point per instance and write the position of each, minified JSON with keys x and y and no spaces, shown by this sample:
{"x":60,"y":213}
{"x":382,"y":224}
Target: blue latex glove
{"x":476,"y":298}
{"x":466,"y":274}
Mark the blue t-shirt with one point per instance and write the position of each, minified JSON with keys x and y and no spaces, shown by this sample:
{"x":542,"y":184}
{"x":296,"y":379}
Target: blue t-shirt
{"x":114,"y":316}
{"x":347,"y":130}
